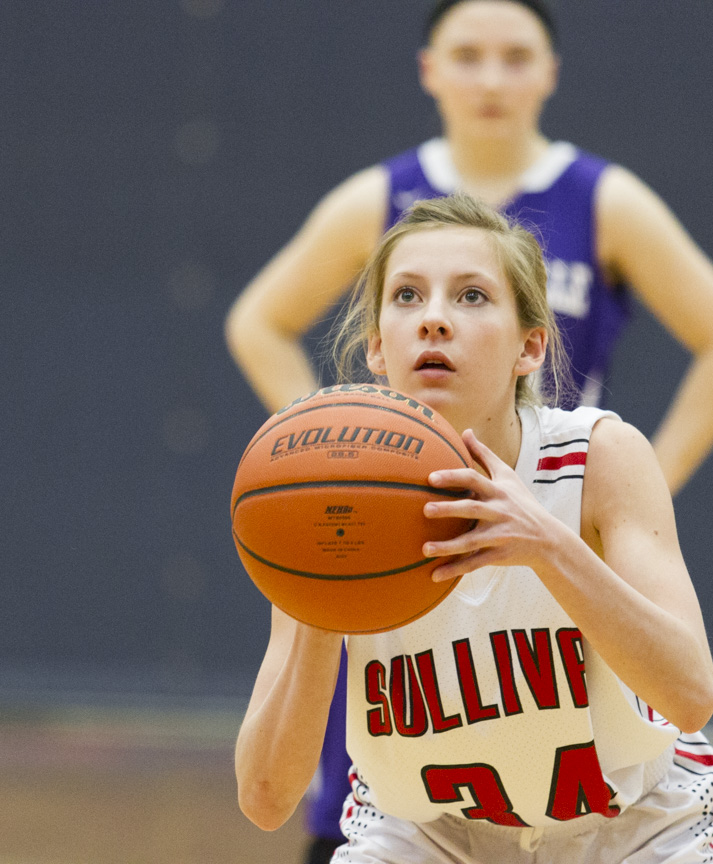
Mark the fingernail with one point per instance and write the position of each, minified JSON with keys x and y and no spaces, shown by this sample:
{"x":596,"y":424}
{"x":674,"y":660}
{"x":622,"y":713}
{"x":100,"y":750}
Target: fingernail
{"x":428,"y":550}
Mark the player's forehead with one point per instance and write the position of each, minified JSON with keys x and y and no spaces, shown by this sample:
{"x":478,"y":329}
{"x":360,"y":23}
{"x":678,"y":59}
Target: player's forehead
{"x":449,"y":252}
{"x":492,"y":22}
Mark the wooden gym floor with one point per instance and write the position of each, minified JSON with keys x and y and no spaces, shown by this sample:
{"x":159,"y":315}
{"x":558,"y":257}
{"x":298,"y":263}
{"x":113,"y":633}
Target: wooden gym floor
{"x":89,"y":785}
{"x":83,"y":784}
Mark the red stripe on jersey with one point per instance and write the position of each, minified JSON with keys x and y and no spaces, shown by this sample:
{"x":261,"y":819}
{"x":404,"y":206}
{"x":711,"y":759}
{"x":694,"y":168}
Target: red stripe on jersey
{"x":553,"y":463}
{"x":656,"y":718}
{"x":702,"y":758}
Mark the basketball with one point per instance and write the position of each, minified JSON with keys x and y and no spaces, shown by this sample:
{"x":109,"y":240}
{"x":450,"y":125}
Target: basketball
{"x":327,"y":507}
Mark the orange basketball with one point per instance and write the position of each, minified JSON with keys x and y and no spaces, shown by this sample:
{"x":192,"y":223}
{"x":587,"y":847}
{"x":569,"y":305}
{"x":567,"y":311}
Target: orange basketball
{"x":327,"y":507}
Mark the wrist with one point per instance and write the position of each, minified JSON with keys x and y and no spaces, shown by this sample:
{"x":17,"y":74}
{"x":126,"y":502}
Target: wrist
{"x":560,"y":553}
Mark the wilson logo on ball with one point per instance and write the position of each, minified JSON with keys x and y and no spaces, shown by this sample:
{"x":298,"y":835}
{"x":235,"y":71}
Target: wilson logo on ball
{"x":369,"y":389}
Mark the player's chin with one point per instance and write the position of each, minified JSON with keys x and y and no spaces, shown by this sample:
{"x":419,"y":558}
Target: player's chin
{"x":441,"y":399}
{"x":434,"y":387}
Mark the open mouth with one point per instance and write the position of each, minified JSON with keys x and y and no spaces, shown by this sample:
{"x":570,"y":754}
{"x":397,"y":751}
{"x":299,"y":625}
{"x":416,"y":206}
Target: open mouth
{"x":438,"y":363}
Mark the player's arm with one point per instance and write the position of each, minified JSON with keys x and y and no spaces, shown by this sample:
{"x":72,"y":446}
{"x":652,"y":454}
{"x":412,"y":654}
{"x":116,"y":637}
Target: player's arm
{"x":281,"y":736}
{"x":623,"y":581}
{"x":297,"y":287}
{"x":643,"y":243}
{"x":642,"y":615}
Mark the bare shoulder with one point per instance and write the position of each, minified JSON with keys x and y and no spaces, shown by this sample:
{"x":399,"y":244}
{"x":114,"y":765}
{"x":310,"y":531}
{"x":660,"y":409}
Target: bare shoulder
{"x":366,"y":188}
{"x":619,"y":453}
{"x":624,"y":201}
{"x":623,"y":479}
{"x":640,"y":241}
{"x":633,"y":219}
{"x":619,"y":183}
{"x":357,"y":205}
{"x":316,"y":266}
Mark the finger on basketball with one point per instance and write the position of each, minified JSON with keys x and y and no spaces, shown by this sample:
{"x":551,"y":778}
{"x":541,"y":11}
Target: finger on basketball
{"x":482,"y":455}
{"x":466,"y":479}
{"x":465,"y":508}
{"x":465,"y":564}
{"x":464,"y":544}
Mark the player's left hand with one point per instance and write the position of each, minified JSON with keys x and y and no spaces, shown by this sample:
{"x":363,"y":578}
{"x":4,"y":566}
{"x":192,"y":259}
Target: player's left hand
{"x":509,"y":526}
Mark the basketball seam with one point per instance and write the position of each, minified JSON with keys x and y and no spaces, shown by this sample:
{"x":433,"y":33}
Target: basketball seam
{"x":329,"y":577}
{"x":342,"y":484}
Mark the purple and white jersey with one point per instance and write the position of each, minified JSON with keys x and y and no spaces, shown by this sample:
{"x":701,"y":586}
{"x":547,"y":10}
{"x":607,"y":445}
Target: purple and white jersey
{"x":555,"y":202}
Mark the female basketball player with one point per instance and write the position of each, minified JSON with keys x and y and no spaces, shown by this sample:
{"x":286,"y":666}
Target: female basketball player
{"x":547,"y":709}
{"x":491,"y":65}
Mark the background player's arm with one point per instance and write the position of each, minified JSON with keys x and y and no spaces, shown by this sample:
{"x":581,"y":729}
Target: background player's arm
{"x":643,"y":243}
{"x":281,"y":736}
{"x":300,"y":284}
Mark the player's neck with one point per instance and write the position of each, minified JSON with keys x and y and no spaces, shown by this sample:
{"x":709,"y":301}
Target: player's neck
{"x":492,"y":168}
{"x":501,"y":434}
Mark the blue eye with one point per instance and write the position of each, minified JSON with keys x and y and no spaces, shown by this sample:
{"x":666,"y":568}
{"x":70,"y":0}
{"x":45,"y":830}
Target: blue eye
{"x":406,"y":295}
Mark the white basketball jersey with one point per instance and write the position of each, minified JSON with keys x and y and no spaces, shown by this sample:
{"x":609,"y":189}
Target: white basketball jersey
{"x":492,"y":706}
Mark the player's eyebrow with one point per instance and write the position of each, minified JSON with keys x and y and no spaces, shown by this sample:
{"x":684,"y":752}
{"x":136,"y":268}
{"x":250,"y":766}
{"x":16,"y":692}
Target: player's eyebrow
{"x":480,"y":275}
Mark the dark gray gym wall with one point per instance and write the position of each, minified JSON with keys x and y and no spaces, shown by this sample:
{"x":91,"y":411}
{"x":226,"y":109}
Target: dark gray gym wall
{"x":152,"y":157}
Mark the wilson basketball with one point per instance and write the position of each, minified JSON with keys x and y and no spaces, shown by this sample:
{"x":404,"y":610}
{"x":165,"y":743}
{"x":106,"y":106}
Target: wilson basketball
{"x":327,"y":507}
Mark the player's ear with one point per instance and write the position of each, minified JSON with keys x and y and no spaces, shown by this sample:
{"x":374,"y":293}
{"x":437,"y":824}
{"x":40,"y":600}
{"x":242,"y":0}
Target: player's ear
{"x":534,"y":348}
{"x":374,"y":356}
{"x":425,"y":70}
{"x":553,"y":75}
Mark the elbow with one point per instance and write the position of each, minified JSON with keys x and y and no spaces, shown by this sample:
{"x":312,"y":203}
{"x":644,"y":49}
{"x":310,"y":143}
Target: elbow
{"x":694,"y":722}
{"x":239,"y":328}
{"x":698,"y":719}
{"x":697,"y":711}
{"x":251,"y":331}
{"x":263,"y":807}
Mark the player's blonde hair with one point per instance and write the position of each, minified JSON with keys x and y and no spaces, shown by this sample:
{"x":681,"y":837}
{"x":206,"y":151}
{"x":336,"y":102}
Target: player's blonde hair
{"x":523,"y":265}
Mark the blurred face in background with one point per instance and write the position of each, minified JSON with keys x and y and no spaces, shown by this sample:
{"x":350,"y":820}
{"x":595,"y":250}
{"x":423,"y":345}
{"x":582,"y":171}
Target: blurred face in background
{"x":490,"y":66}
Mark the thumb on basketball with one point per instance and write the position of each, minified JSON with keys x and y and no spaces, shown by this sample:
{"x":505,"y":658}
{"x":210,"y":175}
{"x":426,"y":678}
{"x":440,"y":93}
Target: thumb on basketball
{"x":482,"y":455}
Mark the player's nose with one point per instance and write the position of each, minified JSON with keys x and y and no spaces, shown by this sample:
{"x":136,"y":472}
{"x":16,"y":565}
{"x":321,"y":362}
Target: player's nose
{"x":435,"y":319}
{"x":491,"y":74}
